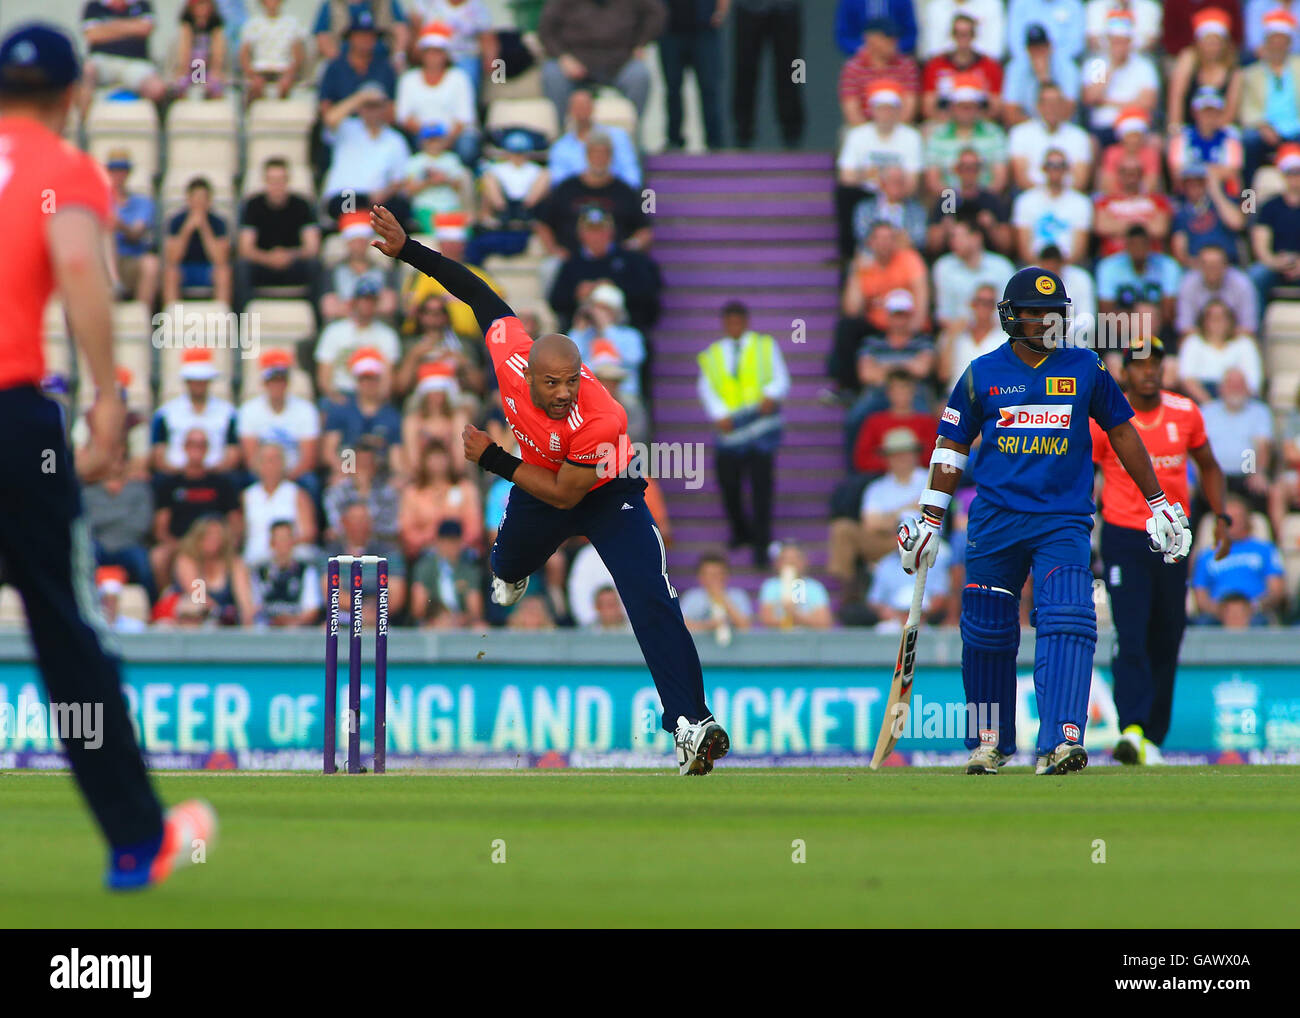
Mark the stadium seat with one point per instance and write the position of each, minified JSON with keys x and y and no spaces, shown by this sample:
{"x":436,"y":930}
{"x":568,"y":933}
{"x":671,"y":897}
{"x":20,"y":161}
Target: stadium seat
{"x":518,"y":278}
{"x":1267,"y":183}
{"x":290,"y":148}
{"x":1283,"y":357}
{"x":131,"y":323}
{"x":292,"y":117}
{"x":1290,"y":538}
{"x":1282,"y":389}
{"x":522,"y":86}
{"x":333,"y":250}
{"x":1282,"y":322}
{"x":203,"y":118}
{"x":137,"y":358}
{"x":615,"y":110}
{"x":133,"y":603}
{"x":281,"y":322}
{"x":121,"y":116}
{"x":538,"y":114}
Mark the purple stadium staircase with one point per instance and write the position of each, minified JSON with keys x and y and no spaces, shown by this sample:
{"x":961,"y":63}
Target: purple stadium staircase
{"x":758,"y":228}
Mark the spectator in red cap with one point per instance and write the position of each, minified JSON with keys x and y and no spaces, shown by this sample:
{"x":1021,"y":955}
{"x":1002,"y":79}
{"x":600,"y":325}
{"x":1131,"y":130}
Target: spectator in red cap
{"x":364,"y":412}
{"x":355,"y":267}
{"x":196,"y":407}
{"x":1176,"y":27}
{"x":436,"y":341}
{"x":1209,"y":63}
{"x":277,"y":415}
{"x":967,"y":127}
{"x":1134,"y":140}
{"x":435,"y":91}
{"x":1270,"y":92}
{"x":435,"y":412}
{"x":109,"y":582}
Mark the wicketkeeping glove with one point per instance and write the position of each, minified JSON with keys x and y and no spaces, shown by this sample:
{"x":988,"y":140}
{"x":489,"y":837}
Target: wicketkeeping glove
{"x":918,"y":541}
{"x":1169,"y":531}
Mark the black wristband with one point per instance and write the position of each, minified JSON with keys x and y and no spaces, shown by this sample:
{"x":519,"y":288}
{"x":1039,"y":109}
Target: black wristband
{"x":1225,"y":517}
{"x":497,"y":461}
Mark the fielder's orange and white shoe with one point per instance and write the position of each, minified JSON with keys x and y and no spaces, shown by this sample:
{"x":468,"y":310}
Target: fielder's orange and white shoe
{"x":189,"y":829}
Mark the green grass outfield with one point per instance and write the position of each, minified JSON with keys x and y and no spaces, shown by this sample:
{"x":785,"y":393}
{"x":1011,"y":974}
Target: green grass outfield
{"x":1184,"y":847}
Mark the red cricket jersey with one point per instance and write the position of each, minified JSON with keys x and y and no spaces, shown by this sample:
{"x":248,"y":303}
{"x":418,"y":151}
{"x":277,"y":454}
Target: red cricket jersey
{"x":594,"y":433}
{"x":40,"y":174}
{"x":1169,"y":432}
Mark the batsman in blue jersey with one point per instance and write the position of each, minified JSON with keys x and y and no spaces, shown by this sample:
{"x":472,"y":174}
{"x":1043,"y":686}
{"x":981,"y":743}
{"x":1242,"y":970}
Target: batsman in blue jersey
{"x":1028,"y":404}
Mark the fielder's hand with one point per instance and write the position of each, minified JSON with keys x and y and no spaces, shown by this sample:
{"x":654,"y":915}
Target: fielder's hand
{"x":391,"y":234}
{"x":107,"y":423}
{"x":1169,"y":531}
{"x":918,"y":541}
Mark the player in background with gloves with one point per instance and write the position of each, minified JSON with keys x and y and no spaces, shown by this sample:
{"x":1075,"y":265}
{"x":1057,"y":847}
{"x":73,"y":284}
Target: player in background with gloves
{"x":1030,"y":402}
{"x":1148,"y":596}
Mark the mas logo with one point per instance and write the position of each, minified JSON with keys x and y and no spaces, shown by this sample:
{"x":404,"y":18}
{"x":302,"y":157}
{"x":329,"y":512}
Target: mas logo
{"x":1005,"y":390}
{"x":1035,"y":415}
{"x":1045,"y":284}
{"x":1060,"y":387}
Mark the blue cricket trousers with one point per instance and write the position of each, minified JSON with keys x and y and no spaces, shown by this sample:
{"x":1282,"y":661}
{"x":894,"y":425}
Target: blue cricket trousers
{"x":1148,"y":601}
{"x":615,"y":519}
{"x":47,"y":553}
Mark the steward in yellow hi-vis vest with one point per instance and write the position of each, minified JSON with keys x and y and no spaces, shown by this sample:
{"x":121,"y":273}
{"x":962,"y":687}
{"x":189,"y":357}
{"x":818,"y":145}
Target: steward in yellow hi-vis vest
{"x":743,"y":378}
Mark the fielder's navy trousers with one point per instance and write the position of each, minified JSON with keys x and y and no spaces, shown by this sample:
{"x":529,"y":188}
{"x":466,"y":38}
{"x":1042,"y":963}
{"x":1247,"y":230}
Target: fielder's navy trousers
{"x":615,"y":519}
{"x":1148,"y":600}
{"x":48,"y":557}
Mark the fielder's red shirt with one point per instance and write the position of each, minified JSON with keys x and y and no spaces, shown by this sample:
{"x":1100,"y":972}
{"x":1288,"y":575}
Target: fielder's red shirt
{"x":1169,"y":432}
{"x":594,"y":433}
{"x":40,"y":174}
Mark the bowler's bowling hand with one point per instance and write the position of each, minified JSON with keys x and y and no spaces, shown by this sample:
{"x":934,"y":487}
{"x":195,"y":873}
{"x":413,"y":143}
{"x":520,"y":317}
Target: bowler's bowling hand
{"x":476,"y":442}
{"x":391,"y":235}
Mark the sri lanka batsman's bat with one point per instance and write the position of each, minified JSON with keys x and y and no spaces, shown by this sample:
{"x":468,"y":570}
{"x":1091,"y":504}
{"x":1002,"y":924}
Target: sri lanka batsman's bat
{"x":900,"y":692}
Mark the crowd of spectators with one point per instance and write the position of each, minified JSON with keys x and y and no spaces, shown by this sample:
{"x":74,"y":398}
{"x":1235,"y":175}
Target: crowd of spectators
{"x":1145,"y":152}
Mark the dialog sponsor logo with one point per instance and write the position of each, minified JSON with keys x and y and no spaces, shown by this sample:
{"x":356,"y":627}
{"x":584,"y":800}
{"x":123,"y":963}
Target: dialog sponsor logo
{"x":1035,"y":415}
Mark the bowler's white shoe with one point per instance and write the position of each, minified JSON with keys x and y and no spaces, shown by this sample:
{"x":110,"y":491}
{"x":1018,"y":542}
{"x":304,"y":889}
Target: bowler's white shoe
{"x":699,"y":744}
{"x":506,"y":594}
{"x":1135,"y":748}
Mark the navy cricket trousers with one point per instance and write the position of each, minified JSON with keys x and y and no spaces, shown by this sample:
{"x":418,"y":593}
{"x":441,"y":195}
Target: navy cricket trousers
{"x":615,"y":519}
{"x":1148,"y":600}
{"x":46,"y":548}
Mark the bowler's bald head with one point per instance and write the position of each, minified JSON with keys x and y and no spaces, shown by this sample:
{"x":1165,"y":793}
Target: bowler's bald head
{"x":554,"y":353}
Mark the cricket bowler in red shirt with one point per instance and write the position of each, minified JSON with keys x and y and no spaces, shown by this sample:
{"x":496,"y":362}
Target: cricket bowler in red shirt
{"x":575,"y":477}
{"x":55,"y":205}
{"x":1148,"y":595}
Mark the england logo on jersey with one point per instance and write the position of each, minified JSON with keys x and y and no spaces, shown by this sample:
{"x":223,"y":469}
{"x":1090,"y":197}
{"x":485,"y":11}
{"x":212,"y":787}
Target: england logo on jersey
{"x":555,"y":442}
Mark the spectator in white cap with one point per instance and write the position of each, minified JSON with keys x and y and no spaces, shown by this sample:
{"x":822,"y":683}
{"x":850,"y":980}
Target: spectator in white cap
{"x":367,"y":157}
{"x":355,"y":267}
{"x":882,"y":144}
{"x":436,"y":181}
{"x":607,"y":365}
{"x":366,"y":412}
{"x":436,"y":91}
{"x":277,"y":415}
{"x":603,"y":315}
{"x":342,"y":338}
{"x":1118,"y":78}
{"x":435,"y":411}
{"x":896,"y":495}
{"x":195,"y":408}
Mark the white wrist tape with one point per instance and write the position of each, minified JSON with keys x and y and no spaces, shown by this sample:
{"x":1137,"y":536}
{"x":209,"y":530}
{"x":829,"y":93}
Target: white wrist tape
{"x":938,"y":499}
{"x":949,"y":457}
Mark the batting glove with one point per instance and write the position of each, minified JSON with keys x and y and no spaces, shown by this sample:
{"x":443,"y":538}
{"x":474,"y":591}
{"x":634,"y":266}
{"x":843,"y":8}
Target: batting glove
{"x":918,"y":541}
{"x":1169,"y":532}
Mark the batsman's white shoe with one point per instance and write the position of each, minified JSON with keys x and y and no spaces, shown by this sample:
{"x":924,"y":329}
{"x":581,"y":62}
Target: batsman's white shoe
{"x":985,"y":760}
{"x":506,"y":594}
{"x":1067,"y":757}
{"x":699,"y":744}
